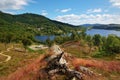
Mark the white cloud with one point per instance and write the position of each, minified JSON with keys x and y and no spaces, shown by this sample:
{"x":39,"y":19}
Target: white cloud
{"x":94,"y":10}
{"x":10,"y":12}
{"x":115,"y":3}
{"x":13,"y":4}
{"x":64,"y":10}
{"x":91,"y":19}
{"x":44,"y":13}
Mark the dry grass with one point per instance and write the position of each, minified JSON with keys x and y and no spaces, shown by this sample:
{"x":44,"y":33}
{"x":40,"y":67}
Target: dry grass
{"x":19,"y":59}
{"x":28,"y":72}
{"x":2,"y":47}
{"x":103,"y":65}
{"x":26,"y":66}
{"x":108,"y":70}
{"x":2,"y":58}
{"x":78,"y":51}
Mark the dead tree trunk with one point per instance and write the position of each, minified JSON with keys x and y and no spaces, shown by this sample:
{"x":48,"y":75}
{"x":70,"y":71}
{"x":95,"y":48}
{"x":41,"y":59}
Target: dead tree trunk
{"x":55,"y":67}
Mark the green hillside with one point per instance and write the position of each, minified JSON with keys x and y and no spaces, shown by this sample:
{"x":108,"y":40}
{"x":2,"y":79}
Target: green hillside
{"x":17,"y":27}
{"x":42,"y":24}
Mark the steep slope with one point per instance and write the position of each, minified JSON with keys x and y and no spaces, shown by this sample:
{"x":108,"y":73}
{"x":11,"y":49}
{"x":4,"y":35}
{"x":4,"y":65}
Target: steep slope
{"x":37,"y":21}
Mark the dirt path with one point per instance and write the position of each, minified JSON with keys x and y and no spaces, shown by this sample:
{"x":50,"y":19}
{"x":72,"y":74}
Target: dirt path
{"x":38,"y":47}
{"x":8,"y":57}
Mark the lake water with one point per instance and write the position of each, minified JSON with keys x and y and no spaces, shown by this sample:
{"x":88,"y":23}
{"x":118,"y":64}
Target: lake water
{"x":89,"y":32}
{"x":44,"y":38}
{"x":103,"y":32}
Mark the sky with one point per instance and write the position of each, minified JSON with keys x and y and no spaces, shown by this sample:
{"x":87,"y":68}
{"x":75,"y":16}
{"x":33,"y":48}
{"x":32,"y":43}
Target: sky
{"x":74,"y":12}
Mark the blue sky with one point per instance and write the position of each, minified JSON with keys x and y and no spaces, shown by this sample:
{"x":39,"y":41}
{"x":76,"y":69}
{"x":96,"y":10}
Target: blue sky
{"x":69,"y":11}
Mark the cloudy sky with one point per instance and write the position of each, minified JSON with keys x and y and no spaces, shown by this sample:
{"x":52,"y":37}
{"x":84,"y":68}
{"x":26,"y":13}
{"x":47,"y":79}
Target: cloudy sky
{"x":75,"y":12}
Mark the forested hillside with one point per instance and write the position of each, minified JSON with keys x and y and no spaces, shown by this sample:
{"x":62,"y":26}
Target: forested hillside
{"x":28,"y":25}
{"x":42,"y":24}
{"x":108,"y":27}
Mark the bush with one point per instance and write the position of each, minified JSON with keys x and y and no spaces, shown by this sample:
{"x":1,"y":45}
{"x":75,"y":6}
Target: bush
{"x":112,"y":44}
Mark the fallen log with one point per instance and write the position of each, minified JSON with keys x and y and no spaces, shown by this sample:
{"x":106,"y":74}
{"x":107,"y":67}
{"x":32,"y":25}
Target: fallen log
{"x":55,"y":67}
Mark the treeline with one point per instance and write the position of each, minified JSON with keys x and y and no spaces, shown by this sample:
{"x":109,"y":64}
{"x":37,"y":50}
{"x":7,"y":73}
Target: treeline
{"x":109,"y":45}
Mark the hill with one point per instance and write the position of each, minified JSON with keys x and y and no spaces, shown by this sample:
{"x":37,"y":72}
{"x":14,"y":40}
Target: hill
{"x":42,"y":24}
{"x":14,"y":28}
{"x":108,"y":27}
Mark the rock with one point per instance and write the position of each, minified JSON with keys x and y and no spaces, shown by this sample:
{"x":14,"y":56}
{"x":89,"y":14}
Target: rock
{"x":86,"y":70}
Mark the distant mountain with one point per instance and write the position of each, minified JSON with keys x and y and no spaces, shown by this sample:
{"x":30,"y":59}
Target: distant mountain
{"x":107,"y":26}
{"x":103,"y":26}
{"x":90,"y":25}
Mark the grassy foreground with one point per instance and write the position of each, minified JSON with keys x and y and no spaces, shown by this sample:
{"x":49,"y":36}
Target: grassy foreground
{"x":19,"y":58}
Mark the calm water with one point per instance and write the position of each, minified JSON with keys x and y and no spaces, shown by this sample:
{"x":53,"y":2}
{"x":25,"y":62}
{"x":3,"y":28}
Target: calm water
{"x":89,"y":32}
{"x":103,"y":32}
{"x":44,"y":38}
